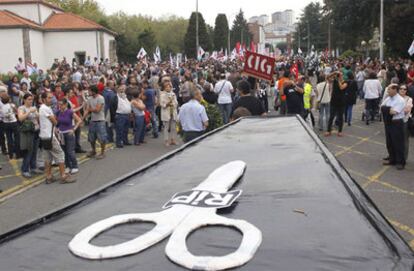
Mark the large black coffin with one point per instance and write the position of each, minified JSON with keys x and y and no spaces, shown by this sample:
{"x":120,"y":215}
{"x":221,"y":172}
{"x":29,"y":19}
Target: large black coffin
{"x":288,"y":169}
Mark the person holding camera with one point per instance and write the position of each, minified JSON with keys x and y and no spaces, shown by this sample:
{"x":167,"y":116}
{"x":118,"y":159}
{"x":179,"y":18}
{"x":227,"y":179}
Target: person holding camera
{"x":337,"y":104}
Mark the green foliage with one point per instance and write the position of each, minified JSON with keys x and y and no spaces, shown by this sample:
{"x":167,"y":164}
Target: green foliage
{"x":282,"y":46}
{"x":240,"y":30}
{"x":221,"y":32}
{"x":312,"y":24}
{"x":190,"y":36}
{"x":167,"y":32}
{"x":350,"y":53}
{"x":355,"y":20}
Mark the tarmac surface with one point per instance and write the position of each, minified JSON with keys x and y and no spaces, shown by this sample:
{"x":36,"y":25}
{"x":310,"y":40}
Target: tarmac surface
{"x":360,"y":151}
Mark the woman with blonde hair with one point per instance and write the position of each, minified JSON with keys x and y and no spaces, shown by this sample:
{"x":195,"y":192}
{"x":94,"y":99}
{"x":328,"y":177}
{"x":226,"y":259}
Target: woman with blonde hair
{"x":169,"y":117}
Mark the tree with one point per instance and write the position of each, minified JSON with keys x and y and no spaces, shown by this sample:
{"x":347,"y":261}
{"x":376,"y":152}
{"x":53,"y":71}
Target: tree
{"x":240,"y":31}
{"x":147,"y":40}
{"x":89,"y":9}
{"x":221,"y":32}
{"x":397,"y":43}
{"x":312,"y":21}
{"x":190,"y":36}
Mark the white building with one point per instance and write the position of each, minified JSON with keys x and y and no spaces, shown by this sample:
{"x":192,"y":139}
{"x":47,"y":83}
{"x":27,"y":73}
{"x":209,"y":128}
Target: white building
{"x":39,"y":32}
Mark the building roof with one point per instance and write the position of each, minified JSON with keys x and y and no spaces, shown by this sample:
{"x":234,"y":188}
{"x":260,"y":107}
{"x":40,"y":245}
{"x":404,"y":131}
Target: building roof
{"x":70,"y":21}
{"x":43,"y":2}
{"x":9,"y":19}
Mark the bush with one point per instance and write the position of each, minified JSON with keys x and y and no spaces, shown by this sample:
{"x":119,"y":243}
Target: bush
{"x":350,"y":54}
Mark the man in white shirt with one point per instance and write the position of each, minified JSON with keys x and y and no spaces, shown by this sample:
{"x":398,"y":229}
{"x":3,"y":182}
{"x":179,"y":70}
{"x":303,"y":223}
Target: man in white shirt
{"x":224,"y":89}
{"x":393,"y":111}
{"x":372,"y":91}
{"x":77,"y":76}
{"x":20,"y":67}
{"x":123,"y":112}
{"x":193,"y":117}
{"x":48,"y":122}
{"x":26,"y":79}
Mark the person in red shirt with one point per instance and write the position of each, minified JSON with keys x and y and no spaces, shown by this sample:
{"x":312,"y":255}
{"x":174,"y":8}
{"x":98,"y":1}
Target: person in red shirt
{"x":101,"y":85}
{"x":72,"y":94}
{"x":410,"y":74}
{"x":282,"y":95}
{"x":58,"y":93}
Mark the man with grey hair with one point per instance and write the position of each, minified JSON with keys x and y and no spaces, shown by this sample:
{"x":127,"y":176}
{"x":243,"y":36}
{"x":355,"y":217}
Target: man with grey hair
{"x":193,"y":117}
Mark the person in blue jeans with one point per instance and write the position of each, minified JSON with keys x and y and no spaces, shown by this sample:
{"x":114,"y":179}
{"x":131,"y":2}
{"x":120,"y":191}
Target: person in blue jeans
{"x":150,"y":100}
{"x":138,"y":108}
{"x":29,"y":134}
{"x":120,"y":114}
{"x":65,"y":118}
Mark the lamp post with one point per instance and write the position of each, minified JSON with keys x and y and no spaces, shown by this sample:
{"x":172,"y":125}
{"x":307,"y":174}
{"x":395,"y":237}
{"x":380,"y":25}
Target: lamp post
{"x":197,"y":41}
{"x":382,"y":32}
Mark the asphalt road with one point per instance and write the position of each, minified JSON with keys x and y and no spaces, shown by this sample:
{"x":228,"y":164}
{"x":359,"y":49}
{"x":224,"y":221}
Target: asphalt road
{"x":360,"y":151}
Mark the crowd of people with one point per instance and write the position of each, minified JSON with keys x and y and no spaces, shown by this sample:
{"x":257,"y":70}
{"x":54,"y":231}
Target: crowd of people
{"x":42,"y":114}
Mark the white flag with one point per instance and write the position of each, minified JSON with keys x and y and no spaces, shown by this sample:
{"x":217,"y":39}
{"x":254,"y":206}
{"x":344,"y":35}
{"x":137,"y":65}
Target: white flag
{"x":411,"y":49}
{"x":233,"y":54}
{"x":214,"y":55}
{"x":200,"y":53}
{"x":157,"y":54}
{"x":171,"y":60}
{"x":142,"y":53}
{"x":299,"y":51}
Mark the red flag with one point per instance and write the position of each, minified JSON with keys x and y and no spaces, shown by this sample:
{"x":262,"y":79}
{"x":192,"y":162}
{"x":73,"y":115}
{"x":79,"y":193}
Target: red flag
{"x":238,"y":47}
{"x":253,"y":47}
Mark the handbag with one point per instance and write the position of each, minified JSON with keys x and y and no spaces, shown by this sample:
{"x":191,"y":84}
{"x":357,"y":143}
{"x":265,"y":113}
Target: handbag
{"x":47,"y":144}
{"x":27,"y":126}
{"x":318,"y":105}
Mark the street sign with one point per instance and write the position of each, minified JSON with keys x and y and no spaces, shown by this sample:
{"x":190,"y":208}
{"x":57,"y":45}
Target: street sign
{"x":259,"y":66}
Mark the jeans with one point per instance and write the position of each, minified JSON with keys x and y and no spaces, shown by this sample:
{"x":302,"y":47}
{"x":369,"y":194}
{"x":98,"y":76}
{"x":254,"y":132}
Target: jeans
{"x":121,"y":129}
{"x":225,"y":110}
{"x":110,"y":131}
{"x":324,"y":112}
{"x":29,"y":158}
{"x":154,"y":122}
{"x":139,"y":129}
{"x":338,"y":112}
{"x":2,"y":138}
{"x":371,"y":108}
{"x":77,"y":139}
{"x":348,"y":113}
{"x":13,"y":140}
{"x":69,"y":149}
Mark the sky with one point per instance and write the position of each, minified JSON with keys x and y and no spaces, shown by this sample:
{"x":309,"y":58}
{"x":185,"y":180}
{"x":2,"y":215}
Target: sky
{"x":209,"y":8}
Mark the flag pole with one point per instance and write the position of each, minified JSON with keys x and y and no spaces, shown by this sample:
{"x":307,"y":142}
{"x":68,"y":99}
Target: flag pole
{"x":197,"y":41}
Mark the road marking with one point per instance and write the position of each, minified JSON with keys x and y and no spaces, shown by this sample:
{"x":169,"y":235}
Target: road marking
{"x":371,"y":141}
{"x":396,"y":188}
{"x":352,"y":151}
{"x":30,"y":183}
{"x":404,"y":228}
{"x":375,"y":177}
{"x":364,"y":139}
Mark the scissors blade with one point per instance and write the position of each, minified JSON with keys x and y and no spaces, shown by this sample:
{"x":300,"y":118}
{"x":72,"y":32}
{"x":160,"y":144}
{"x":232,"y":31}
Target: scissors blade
{"x":223,"y":178}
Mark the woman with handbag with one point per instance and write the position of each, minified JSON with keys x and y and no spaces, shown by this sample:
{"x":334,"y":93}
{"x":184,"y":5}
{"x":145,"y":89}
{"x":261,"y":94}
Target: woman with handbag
{"x":65,"y":119}
{"x":29,"y":135}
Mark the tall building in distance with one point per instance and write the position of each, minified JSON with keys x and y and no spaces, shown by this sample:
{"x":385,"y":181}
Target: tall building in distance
{"x":276,"y":30}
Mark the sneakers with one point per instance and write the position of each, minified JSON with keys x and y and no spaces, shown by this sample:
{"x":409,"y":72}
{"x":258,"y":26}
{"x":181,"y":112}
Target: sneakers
{"x":67,"y":179}
{"x":74,"y":171}
{"x":27,"y":175}
{"x":67,"y":170}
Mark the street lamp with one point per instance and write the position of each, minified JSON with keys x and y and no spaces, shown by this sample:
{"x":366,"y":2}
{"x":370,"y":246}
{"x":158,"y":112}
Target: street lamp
{"x":197,"y":41}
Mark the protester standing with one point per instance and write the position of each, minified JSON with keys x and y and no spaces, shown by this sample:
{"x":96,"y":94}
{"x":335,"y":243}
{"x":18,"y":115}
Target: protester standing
{"x":337,"y":105}
{"x":121,"y":107}
{"x":351,"y":93}
{"x":193,"y":117}
{"x":407,"y":115}
{"x":65,"y":120}
{"x":393,"y":111}
{"x":138,"y":108}
{"x":11,"y":127}
{"x":29,"y":135}
{"x":51,"y":146}
{"x":372,"y":93}
{"x":3,"y":93}
{"x":169,"y":104}
{"x":95,"y":106}
{"x":224,"y":90}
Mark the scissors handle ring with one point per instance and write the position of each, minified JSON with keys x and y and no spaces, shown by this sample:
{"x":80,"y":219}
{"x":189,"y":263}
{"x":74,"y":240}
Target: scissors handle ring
{"x":177,"y":251}
{"x":80,"y":245}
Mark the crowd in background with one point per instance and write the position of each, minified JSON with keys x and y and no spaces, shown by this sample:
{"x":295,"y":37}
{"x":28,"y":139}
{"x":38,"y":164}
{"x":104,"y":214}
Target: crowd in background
{"x":42,"y":114}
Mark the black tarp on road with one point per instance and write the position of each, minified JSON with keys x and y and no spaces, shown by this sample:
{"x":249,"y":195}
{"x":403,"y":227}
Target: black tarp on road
{"x":288,"y":169}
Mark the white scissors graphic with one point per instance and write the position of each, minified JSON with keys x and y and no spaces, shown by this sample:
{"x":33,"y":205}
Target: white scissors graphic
{"x":178,"y":221}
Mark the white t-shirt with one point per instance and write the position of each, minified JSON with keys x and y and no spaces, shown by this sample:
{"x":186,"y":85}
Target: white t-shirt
{"x":45,"y":124}
{"x":224,"y":92}
{"x":372,"y":89}
{"x":8,"y":112}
